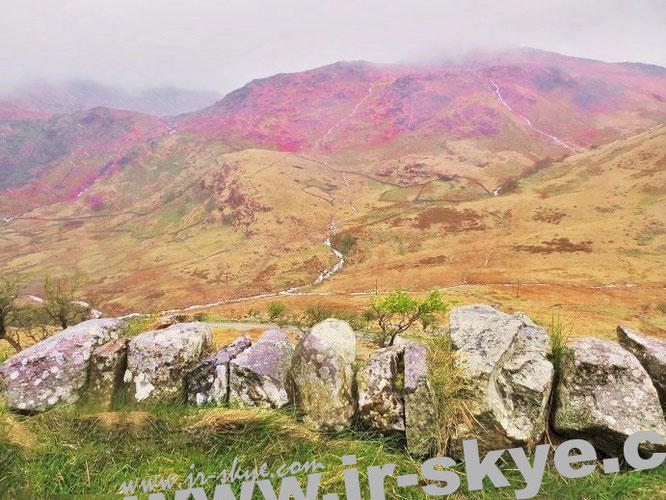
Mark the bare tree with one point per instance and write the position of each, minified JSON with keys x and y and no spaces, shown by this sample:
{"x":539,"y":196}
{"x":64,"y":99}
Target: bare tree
{"x":10,"y":288}
{"x":33,"y":323}
{"x":61,"y":300}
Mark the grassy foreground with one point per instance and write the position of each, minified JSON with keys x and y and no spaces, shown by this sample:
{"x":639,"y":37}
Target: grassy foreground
{"x":69,"y":452}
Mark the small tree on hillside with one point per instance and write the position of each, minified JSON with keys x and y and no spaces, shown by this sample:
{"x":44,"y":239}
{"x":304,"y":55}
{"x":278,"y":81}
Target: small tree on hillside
{"x":10,"y":289}
{"x":316,"y":314}
{"x":397,"y":312}
{"x":275,"y":310}
{"x":61,"y":300}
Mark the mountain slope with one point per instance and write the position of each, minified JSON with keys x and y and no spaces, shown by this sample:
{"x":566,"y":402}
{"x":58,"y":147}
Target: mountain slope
{"x":45,"y":159}
{"x":534,"y":102}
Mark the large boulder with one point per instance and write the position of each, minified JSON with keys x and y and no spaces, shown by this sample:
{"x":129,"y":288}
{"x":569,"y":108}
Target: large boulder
{"x":652,"y":355}
{"x":208,"y":380}
{"x":506,"y":375}
{"x":55,"y":370}
{"x":323,"y":375}
{"x":259,"y":376}
{"x":605,"y":395}
{"x":420,"y":423}
{"x":107,"y":368}
{"x":158,"y":361}
{"x":380,"y":401}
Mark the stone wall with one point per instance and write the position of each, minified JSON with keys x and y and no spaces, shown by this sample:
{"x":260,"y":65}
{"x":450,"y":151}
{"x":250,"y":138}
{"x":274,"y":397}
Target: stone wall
{"x":606,"y":391}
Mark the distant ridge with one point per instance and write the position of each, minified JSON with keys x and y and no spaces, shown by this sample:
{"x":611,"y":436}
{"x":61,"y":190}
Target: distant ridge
{"x":76,"y":95}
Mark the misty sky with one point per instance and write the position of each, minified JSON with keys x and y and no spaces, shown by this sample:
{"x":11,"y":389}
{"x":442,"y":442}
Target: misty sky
{"x":222,"y":44}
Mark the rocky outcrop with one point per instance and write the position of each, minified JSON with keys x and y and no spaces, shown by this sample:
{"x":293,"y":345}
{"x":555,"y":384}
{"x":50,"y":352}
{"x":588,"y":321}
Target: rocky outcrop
{"x":652,"y":355}
{"x":259,"y":376}
{"x":208,"y":380}
{"x":605,"y":395}
{"x":507,"y":376}
{"x":167,"y":320}
{"x":380,"y":403}
{"x":419,"y":413}
{"x":89,"y":311}
{"x":55,"y":371}
{"x":323,"y":375}
{"x":107,"y":368}
{"x":158,"y":361}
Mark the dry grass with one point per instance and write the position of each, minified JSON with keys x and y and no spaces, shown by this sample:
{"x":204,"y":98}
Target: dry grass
{"x":112,"y":420}
{"x":18,"y":434}
{"x":231,"y":421}
{"x":446,"y":392}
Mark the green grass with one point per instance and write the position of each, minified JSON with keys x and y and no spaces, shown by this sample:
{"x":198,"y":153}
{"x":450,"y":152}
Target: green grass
{"x":81,"y":454}
{"x":446,"y":392}
{"x":559,"y":338}
{"x":135,"y":326}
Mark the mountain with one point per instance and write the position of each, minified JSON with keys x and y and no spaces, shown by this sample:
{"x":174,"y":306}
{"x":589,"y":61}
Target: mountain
{"x":76,"y":95}
{"x":534,"y":102}
{"x":46,"y":159}
{"x":353,"y":176}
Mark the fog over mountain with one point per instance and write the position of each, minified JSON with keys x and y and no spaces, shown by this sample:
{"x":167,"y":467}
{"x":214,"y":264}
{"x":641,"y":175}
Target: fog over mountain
{"x":74,"y":95}
{"x":212,"y":45}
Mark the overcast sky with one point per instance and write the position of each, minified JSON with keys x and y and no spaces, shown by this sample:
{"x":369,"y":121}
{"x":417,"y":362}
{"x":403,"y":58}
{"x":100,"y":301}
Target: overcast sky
{"x":222,"y":44}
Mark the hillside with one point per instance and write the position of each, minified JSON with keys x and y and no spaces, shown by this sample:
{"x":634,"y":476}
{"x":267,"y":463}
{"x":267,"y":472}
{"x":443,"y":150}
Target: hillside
{"x":46,"y":159}
{"x":489,"y":116}
{"x":165,"y":230}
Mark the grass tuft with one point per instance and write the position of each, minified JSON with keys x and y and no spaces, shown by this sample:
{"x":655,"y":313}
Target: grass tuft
{"x":446,"y":386}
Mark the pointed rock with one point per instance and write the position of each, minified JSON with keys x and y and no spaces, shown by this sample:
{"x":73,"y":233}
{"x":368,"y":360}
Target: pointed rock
{"x":652,"y":355}
{"x":507,"y":376}
{"x":380,"y":403}
{"x":259,"y":376}
{"x":420,"y":421}
{"x":107,"y":368}
{"x":208,"y":380}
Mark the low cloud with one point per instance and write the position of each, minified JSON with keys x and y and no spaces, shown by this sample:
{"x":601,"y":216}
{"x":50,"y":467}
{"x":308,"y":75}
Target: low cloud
{"x":220,"y":45}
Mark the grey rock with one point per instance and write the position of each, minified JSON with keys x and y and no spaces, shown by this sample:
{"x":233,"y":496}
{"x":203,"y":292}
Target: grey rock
{"x":259,"y":376}
{"x":605,"y":395}
{"x":167,"y":320}
{"x":107,"y":367}
{"x":55,"y":370}
{"x":158,"y":361}
{"x":506,"y":374}
{"x":420,"y":423}
{"x":380,"y":401}
{"x":323,"y":375}
{"x":652,"y":355}
{"x":208,"y":380}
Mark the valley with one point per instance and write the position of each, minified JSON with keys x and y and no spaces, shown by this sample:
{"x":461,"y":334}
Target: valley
{"x":511,"y":179}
